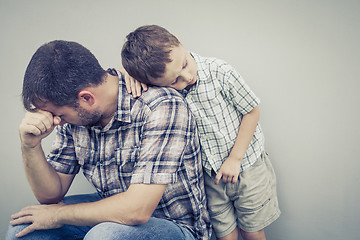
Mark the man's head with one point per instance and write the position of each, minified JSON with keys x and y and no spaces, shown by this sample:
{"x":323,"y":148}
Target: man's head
{"x":154,"y":56}
{"x":56,"y":74}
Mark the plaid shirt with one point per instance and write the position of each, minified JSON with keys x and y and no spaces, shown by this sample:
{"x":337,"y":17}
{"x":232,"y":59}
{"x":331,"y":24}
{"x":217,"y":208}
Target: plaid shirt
{"x":151,"y":140}
{"x":219,"y":100}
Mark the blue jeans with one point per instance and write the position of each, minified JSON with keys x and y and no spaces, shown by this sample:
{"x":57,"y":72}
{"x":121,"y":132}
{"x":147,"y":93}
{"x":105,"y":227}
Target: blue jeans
{"x":155,"y":228}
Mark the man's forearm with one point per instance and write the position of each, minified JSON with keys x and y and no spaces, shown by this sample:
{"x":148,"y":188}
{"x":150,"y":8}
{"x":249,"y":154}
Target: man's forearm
{"x":133,"y":207}
{"x":43,"y":179}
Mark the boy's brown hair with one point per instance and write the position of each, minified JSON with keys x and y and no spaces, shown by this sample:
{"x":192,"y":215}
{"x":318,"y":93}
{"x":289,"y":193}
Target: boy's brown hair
{"x":146,"y":52}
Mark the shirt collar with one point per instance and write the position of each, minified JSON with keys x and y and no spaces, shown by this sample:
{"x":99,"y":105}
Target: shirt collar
{"x":122,"y":113}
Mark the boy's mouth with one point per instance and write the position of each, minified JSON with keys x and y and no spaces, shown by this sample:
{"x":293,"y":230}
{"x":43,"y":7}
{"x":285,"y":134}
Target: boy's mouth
{"x":192,"y":81}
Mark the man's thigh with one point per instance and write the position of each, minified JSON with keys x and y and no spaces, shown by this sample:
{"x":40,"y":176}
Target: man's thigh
{"x":154,"y":229}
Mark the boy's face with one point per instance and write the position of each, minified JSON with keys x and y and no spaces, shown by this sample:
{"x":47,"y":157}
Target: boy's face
{"x":181,"y":72}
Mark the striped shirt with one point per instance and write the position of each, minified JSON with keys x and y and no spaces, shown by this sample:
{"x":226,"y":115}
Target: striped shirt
{"x":219,"y":100}
{"x":150,"y":140}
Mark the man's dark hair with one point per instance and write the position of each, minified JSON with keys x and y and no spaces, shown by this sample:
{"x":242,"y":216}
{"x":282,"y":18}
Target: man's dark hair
{"x":146,"y":52}
{"x":57,"y":72}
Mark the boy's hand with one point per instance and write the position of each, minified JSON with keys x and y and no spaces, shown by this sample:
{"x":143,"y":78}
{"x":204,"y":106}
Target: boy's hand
{"x":132,"y":85}
{"x":36,"y":126}
{"x":229,"y":171}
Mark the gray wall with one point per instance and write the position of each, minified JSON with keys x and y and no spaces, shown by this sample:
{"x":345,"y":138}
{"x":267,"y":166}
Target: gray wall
{"x":300,"y":57}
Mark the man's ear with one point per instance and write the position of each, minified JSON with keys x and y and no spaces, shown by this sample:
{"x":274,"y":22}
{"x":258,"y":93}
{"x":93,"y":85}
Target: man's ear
{"x":86,"y":97}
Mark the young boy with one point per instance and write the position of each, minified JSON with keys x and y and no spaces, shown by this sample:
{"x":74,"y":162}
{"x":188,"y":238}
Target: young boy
{"x":227,"y":114}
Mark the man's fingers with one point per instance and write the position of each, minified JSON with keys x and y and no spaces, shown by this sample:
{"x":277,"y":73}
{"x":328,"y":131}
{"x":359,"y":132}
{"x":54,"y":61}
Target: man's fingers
{"x":57,"y":120}
{"x":26,"y":231}
{"x":22,"y":213}
{"x":21,"y":220}
{"x":41,"y":121}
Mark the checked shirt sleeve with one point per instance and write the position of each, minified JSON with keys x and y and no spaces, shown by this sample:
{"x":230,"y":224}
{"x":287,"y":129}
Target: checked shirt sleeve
{"x":239,"y":92}
{"x":62,"y":156}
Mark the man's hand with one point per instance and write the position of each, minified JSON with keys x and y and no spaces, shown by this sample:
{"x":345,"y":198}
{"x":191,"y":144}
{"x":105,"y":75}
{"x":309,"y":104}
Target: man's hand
{"x":36,"y":126}
{"x":40,"y":217}
{"x":229,"y":171}
{"x":132,"y":85}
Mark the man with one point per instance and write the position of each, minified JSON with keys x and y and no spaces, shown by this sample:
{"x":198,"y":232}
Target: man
{"x":141,"y":154}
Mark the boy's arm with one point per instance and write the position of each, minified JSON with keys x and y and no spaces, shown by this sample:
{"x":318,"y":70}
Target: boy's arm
{"x":132,"y":85}
{"x":230,"y":169}
{"x":133,"y":207}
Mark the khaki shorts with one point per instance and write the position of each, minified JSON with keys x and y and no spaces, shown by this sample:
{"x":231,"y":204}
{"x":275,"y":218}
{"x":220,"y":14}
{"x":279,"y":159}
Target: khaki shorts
{"x":251,"y":203}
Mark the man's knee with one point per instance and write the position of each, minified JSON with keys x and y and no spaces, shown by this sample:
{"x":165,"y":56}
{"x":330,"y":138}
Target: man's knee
{"x":105,"y":230}
{"x":13,"y":230}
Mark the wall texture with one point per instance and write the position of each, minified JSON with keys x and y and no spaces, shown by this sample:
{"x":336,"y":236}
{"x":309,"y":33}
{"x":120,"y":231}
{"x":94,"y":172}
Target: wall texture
{"x":300,"y":57}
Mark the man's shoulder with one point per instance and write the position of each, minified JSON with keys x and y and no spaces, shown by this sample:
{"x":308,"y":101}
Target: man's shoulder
{"x":155,"y":95}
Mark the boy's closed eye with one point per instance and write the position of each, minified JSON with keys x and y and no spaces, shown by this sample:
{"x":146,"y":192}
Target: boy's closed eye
{"x":185,"y":65}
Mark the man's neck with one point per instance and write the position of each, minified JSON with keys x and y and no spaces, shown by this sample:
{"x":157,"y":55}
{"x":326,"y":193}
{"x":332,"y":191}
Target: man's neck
{"x":109,"y":91}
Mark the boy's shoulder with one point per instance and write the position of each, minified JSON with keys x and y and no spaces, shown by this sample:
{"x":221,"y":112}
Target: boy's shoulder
{"x":211,"y":64}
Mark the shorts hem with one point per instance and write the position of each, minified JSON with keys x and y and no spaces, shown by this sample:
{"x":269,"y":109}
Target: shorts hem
{"x":261,"y":226}
{"x":226,"y":232}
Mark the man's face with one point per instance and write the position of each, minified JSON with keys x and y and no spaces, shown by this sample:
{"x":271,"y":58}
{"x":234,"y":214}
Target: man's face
{"x":181,"y":72}
{"x":74,"y":115}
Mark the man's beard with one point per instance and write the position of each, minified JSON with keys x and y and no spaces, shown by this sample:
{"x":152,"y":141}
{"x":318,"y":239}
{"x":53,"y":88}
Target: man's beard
{"x":88,"y":119}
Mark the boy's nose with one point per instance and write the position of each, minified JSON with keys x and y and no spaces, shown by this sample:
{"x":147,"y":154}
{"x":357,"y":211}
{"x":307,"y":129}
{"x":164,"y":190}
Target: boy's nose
{"x":187,"y":77}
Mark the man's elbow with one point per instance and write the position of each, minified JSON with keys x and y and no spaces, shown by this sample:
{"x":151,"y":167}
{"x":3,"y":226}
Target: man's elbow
{"x":140,"y":220}
{"x":48,"y":199}
{"x":134,"y":219}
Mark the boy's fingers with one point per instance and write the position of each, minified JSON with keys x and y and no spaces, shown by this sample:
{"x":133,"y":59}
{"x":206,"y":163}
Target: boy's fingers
{"x":133,"y":87}
{"x":234,"y":180}
{"x":128,"y":84}
{"x":138,"y":88}
{"x":144,"y":86}
{"x":217,"y":178}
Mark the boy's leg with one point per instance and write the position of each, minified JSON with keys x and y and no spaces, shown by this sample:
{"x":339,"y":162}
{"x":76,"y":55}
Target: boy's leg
{"x":234,"y":235}
{"x":154,"y":229}
{"x":259,"y":235}
{"x":65,"y":232}
{"x":222,"y":212}
{"x":256,"y":199}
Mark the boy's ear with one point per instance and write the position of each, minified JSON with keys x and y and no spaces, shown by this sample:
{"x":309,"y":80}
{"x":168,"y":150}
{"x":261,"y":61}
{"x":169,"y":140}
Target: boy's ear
{"x":86,"y":97}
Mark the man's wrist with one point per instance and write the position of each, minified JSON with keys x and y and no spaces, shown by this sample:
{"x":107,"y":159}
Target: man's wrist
{"x":61,"y":213}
